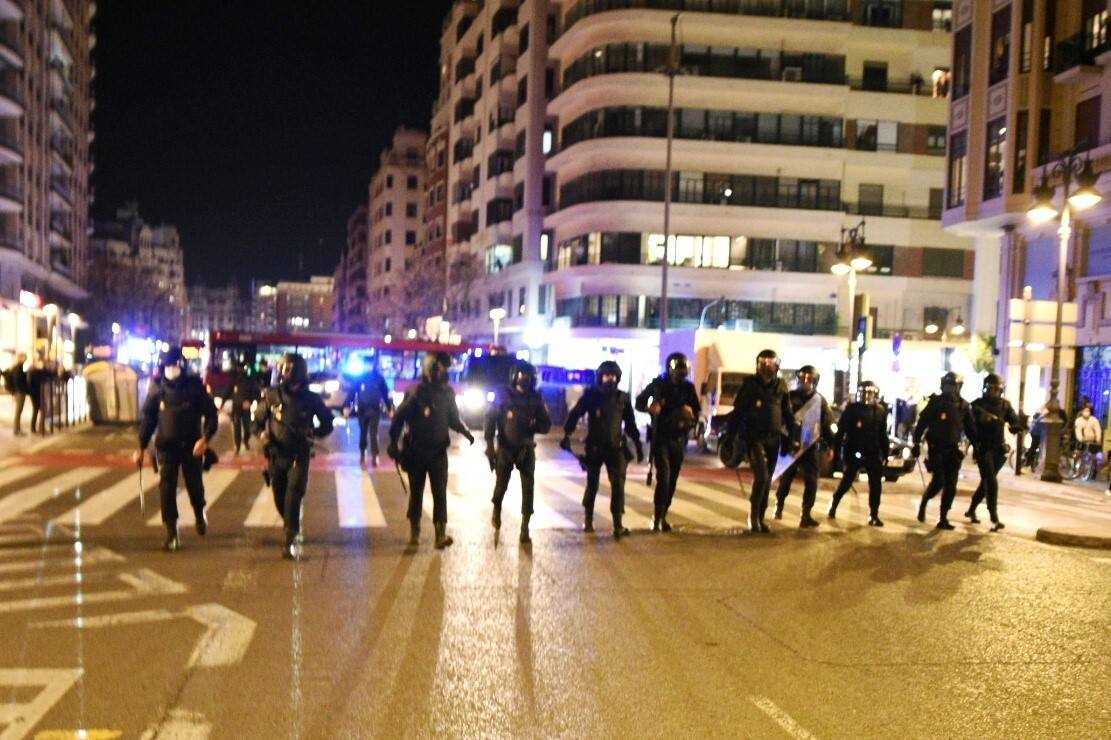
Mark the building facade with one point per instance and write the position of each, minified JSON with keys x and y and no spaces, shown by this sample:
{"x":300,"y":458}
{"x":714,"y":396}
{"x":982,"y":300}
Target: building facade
{"x":351,"y":276}
{"x":1030,"y":82}
{"x":213,"y":308}
{"x":433,"y":242}
{"x":793,"y":121}
{"x":46,"y":100}
{"x":302,"y":306}
{"x":264,"y":308}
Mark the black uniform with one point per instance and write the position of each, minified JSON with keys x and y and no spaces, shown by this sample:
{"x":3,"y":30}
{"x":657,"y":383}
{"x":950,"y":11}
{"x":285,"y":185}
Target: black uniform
{"x":609,"y":416}
{"x":286,"y":416}
{"x":430,"y":413}
{"x":670,"y":430}
{"x":808,"y":465}
{"x":991,"y":415}
{"x":762,"y":417}
{"x":368,"y":400}
{"x":244,"y":392}
{"x":182,"y":412}
{"x":942,"y":422}
{"x":864,"y":444}
{"x":514,"y":417}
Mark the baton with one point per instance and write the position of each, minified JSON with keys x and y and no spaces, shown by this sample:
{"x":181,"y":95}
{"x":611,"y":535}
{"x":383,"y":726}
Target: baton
{"x":580,"y":458}
{"x":401,"y":477}
{"x":142,"y":502}
{"x":740,"y":482}
{"x":918,"y":464}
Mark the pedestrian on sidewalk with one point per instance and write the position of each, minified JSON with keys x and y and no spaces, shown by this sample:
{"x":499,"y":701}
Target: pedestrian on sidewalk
{"x":946,"y":417}
{"x":20,"y":388}
{"x":1089,"y":434}
{"x":37,"y":383}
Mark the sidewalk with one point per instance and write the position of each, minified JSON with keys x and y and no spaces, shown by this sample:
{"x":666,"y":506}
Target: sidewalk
{"x":11,"y":444}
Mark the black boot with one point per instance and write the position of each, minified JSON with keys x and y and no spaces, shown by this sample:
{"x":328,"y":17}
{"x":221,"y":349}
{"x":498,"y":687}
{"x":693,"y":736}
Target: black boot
{"x":970,"y":515}
{"x":362,"y":458}
{"x":943,"y":523}
{"x":874,"y":520}
{"x":172,"y":543}
{"x":807,"y":520}
{"x":414,"y":532}
{"x":442,"y":538}
{"x":289,"y":548}
{"x":202,"y":522}
{"x":664,"y":526}
{"x":996,"y":526}
{"x":525,"y":538}
{"x":778,"y":508}
{"x":656,"y":520}
{"x":588,"y":521}
{"x":922,"y":511}
{"x":495,"y":519}
{"x":619,"y":529}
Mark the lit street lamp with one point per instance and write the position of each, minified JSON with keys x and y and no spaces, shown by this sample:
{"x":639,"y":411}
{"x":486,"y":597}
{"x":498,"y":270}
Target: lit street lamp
{"x":1067,"y":167}
{"x":497,"y":314}
{"x":852,"y":257}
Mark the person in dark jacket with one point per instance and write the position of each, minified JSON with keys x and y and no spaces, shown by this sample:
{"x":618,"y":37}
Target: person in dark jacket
{"x":609,"y":414}
{"x":37,"y":383}
{"x":20,"y":388}
{"x":370,"y":397}
{"x":992,"y":413}
{"x":674,"y":408}
{"x":864,"y":444}
{"x":244,"y":392}
{"x":516,"y":415}
{"x":185,"y":417}
{"x":289,"y":418}
{"x":809,"y":463}
{"x":429,"y":413}
{"x":762,"y":419}
{"x":946,"y":417}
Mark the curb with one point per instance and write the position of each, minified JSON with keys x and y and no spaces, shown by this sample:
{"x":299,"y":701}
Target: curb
{"x":1073,"y":538}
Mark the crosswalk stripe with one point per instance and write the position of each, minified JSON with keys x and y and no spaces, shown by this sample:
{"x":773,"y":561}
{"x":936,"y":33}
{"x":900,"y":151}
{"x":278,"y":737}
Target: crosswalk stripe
{"x":105,"y":504}
{"x":686,"y":509}
{"x":27,"y":499}
{"x":12,"y":475}
{"x":263,"y":513}
{"x":357,"y":500}
{"x":216,"y":482}
{"x":572,"y":488}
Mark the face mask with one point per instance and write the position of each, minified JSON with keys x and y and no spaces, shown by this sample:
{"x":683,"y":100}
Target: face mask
{"x":172,"y":372}
{"x":1085,"y":413}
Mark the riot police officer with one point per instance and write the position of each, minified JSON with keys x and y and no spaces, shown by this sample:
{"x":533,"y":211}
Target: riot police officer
{"x":809,"y":463}
{"x":285,"y":421}
{"x":762,"y":419}
{"x":942,"y":422}
{"x":185,"y":417}
{"x":991,"y":412}
{"x":429,"y":412}
{"x":863,"y":441}
{"x":674,"y":408}
{"x":609,"y":414}
{"x":244,"y":392}
{"x":517,"y":413}
{"x":371,"y":395}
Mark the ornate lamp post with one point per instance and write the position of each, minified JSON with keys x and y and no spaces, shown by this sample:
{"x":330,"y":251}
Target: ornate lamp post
{"x":852,"y":257}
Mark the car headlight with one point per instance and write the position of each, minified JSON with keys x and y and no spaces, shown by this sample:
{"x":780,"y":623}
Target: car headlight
{"x":490,"y":396}
{"x":473,"y":399}
{"x":331,"y":386}
{"x":315,"y":387}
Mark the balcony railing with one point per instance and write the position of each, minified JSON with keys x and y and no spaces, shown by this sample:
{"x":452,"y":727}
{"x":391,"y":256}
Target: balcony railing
{"x":910,"y":86}
{"x":11,"y":241}
{"x":829,"y":10}
{"x":60,"y":186}
{"x":10,"y":140}
{"x":1079,"y":49}
{"x":9,"y":37}
{"x":9,"y":87}
{"x":63,"y":145}
{"x":60,"y":226}
{"x":892,"y":211}
{"x":11,"y":190}
{"x":60,"y":107}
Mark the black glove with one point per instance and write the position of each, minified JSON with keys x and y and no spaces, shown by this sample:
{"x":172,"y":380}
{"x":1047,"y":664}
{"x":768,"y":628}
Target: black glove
{"x":565,"y":444}
{"x":469,"y":437}
{"x":392,"y":450}
{"x":916,"y":450}
{"x":491,"y":456}
{"x":639,"y":449}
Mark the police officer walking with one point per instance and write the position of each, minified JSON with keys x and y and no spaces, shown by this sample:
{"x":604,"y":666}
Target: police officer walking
{"x":244,"y":392}
{"x":942,"y":422}
{"x":991,"y":412}
{"x":185,"y":417}
{"x":609,"y":414}
{"x":429,"y":413}
{"x":517,"y":413}
{"x":674,"y":408}
{"x":370,"y":397}
{"x":808,"y":466}
{"x":864,"y":444}
{"x":285,"y":421}
{"x":762,"y":419}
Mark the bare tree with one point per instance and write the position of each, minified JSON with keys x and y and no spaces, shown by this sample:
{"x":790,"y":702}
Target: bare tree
{"x":464,"y":272}
{"x":123,"y":291}
{"x":423,"y":292}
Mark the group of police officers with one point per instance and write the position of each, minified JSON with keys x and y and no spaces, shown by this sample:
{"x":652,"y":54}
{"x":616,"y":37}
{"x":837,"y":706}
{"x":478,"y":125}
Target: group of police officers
{"x":181,"y":418}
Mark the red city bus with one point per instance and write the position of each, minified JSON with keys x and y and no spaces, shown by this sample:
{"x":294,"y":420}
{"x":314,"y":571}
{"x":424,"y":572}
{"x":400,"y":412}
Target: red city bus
{"x":334,"y":360}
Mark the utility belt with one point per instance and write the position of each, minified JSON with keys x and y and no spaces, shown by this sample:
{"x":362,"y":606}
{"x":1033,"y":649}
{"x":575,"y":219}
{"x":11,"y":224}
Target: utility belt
{"x":598,"y":453}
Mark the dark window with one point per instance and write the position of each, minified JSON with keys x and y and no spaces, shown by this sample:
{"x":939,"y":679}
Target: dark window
{"x":883,"y":259}
{"x":549,"y":83}
{"x":1000,"y":45}
{"x":875,"y":76}
{"x":464,"y":24}
{"x":410,"y":210}
{"x":498,"y":210}
{"x":518,"y":196}
{"x":622,"y":248}
{"x":1026,"y":41}
{"x":546,"y":191}
{"x":500,"y":162}
{"x":871,"y":199}
{"x":958,"y":155}
{"x":389,"y":181}
{"x":962,"y":62}
{"x":388,"y":236}
{"x":935,"y":139}
{"x":522,"y":42}
{"x":994,"y":164}
{"x":522,"y":91}
{"x":883,"y":13}
{"x":389,"y":209}
{"x":410,"y":238}
{"x":503,"y":19}
{"x":1022,"y":125}
{"x":943,"y":262}
{"x":1045,"y":121}
{"x":937,"y":198}
{"x":1086,"y":133}
{"x":412,"y":183}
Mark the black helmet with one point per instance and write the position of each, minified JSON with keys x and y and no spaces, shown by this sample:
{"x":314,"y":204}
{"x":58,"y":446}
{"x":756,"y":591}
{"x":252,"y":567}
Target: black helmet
{"x":868,"y":392}
{"x":993,"y":385}
{"x":292,"y":369}
{"x":435,"y":367}
{"x":171,"y":356}
{"x":808,"y":377}
{"x":677,"y":367}
{"x":526,"y":369}
{"x":609,"y":367}
{"x":952,"y":382}
{"x":767,"y":364}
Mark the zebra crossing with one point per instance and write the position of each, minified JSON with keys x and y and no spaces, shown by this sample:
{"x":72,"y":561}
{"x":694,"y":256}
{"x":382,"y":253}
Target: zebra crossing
{"x":351,"y":498}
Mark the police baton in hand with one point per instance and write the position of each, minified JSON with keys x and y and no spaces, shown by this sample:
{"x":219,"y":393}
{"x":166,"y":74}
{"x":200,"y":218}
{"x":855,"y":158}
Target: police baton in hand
{"x":142,"y":501}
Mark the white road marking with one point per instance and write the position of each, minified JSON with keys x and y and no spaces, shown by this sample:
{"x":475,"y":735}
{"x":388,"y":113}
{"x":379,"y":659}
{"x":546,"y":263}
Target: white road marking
{"x":181,"y":724}
{"x":263,"y":513}
{"x":684,"y":508}
{"x":781,"y":718}
{"x":100,"y":507}
{"x":27,"y":499}
{"x":143,"y":582}
{"x":357,"y":500}
{"x":21,"y":718}
{"x":216,"y":482}
{"x":36,"y":561}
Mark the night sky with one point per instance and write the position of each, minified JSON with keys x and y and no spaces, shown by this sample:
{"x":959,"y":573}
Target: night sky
{"x":255,"y":125}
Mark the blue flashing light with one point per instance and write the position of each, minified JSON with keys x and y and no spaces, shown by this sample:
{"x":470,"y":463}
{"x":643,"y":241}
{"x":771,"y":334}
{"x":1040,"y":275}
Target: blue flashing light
{"x":354,"y":366}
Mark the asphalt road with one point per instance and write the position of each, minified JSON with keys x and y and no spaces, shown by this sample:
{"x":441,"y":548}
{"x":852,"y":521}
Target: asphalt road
{"x":843,"y":631}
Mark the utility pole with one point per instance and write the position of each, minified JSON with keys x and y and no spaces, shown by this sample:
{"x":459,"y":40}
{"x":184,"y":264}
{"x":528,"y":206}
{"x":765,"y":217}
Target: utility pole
{"x":672,"y":70}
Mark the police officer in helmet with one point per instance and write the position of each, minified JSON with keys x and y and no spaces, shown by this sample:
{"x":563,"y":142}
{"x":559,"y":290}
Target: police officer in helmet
{"x":370,"y":397}
{"x":244,"y":392}
{"x":763,"y":420}
{"x":864,"y":444}
{"x":427,"y":415}
{"x":808,"y":464}
{"x":609,"y":414}
{"x":674,"y":408}
{"x":946,"y":417}
{"x":991,"y":412}
{"x":516,"y":415}
{"x":289,"y":419}
{"x":185,"y":417}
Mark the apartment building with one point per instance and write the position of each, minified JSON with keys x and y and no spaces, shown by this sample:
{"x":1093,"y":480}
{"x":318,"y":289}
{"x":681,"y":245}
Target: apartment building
{"x":395,"y":208}
{"x":301,"y":306}
{"x":216,"y":308}
{"x":351,"y":276}
{"x":1031,"y":83}
{"x":46,"y":101}
{"x":433,"y":242}
{"x":793,"y":120}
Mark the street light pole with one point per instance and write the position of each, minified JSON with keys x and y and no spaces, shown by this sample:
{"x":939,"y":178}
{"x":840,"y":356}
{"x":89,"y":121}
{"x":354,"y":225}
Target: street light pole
{"x":852,"y":257}
{"x":497,"y":314}
{"x":672,"y":70}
